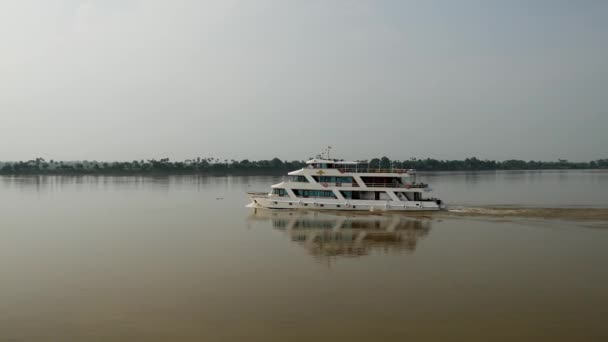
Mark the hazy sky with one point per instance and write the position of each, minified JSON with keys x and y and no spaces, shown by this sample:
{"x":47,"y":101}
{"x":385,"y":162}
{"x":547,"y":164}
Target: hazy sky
{"x":128,"y":79}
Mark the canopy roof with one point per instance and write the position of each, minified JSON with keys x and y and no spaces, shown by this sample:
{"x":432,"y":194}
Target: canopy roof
{"x":335,"y":161}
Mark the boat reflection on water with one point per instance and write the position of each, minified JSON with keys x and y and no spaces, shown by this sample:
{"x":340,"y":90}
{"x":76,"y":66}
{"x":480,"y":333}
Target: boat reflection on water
{"x":339,"y":234}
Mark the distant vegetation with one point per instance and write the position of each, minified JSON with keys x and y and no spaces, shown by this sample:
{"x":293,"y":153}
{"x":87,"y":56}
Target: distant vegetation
{"x":474,"y":164}
{"x":40,"y":166}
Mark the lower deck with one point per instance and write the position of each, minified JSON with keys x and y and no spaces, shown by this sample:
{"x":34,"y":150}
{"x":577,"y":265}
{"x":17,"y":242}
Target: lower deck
{"x":260,"y":201}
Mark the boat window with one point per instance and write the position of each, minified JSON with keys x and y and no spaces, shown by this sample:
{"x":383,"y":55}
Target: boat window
{"x":384,"y":182}
{"x":300,"y":179}
{"x":280,"y":192}
{"x":314,"y":193}
{"x":331,"y":179}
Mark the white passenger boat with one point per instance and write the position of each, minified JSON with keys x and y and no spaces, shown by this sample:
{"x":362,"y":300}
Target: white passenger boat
{"x":333,"y":184}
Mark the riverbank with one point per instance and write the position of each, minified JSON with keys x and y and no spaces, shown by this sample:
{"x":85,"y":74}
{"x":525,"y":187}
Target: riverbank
{"x":215,"y":166}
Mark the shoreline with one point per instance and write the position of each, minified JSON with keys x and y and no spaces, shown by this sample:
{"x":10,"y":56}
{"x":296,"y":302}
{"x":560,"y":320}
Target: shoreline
{"x":272,"y":172}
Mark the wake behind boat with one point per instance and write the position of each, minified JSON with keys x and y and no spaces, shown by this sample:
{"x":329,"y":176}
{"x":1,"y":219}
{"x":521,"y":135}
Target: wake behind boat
{"x":334,"y":184}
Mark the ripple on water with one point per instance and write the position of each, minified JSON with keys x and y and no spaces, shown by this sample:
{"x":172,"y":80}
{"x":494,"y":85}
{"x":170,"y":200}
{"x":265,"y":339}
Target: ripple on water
{"x":593,"y":214}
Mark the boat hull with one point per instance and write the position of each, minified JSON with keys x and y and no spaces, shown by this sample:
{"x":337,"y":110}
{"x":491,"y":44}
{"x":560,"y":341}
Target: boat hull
{"x":268,"y":202}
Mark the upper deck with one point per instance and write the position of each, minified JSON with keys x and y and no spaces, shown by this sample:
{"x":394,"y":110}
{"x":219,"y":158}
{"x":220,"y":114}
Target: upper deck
{"x":353,"y":167}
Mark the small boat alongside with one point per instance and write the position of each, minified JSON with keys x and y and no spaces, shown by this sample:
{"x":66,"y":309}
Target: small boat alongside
{"x":335,"y":184}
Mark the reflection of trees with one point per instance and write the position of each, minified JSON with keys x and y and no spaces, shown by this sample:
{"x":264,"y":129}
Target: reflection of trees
{"x":335,"y":234}
{"x":43,"y":183}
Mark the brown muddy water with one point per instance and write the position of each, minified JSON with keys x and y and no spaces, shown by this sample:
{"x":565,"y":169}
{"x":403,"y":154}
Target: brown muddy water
{"x":521,"y":256}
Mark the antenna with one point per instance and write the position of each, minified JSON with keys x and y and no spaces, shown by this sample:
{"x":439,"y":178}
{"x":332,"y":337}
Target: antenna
{"x":325,"y":153}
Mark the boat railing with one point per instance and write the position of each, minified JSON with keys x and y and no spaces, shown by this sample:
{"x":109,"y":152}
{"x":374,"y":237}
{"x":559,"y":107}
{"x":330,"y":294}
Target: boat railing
{"x":257,"y":193}
{"x":368,"y":170}
{"x":363,"y":169}
{"x":328,"y":184}
{"x":397,"y":185}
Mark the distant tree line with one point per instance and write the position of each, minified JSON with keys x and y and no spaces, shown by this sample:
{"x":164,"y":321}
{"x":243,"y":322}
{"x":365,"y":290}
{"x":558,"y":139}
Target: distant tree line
{"x":150,"y":166}
{"x":40,"y":166}
{"x":474,"y":164}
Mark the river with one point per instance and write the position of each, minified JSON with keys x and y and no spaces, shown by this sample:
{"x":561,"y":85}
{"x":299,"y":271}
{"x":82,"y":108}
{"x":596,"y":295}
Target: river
{"x":181,"y":258}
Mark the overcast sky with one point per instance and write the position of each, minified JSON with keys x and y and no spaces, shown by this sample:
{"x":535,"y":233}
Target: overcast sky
{"x":128,"y":79}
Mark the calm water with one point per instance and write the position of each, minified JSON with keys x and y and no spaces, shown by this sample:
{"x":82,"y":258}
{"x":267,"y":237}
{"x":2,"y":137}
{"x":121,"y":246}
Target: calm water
{"x":181,"y":259}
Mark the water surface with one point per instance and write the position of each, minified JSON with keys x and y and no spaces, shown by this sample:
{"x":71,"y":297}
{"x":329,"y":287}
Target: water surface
{"x":180,"y":258}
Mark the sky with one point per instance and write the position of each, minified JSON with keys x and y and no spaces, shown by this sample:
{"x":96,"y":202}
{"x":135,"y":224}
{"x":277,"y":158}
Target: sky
{"x":129,"y":79}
